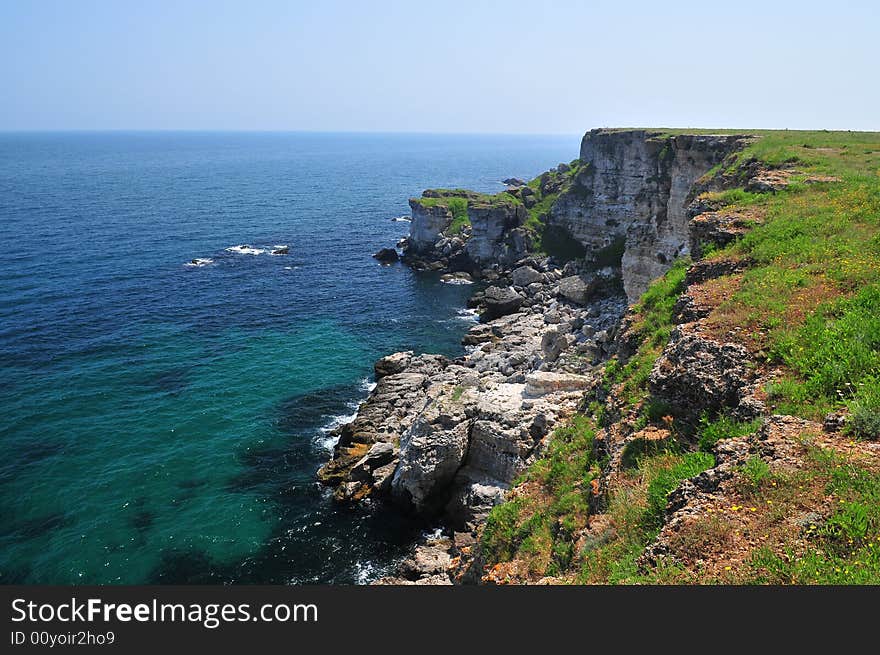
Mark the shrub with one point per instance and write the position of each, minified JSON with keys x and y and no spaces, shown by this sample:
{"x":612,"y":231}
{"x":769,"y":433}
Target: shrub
{"x":865,"y":419}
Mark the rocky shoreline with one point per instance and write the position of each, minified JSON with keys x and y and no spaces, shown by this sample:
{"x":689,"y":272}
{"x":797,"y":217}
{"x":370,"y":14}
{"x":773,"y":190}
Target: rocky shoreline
{"x":445,"y":438}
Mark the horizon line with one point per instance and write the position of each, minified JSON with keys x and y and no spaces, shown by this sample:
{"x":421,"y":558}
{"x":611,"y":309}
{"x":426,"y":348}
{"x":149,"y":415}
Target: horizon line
{"x":176,"y":130}
{"x":186,"y":130}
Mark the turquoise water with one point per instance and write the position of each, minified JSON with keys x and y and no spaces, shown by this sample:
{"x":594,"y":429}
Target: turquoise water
{"x":163,"y":422}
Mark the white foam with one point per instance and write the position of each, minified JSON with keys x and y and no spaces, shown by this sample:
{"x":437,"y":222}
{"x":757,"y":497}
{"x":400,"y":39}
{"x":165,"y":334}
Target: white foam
{"x":325,"y":439}
{"x":365,"y":572}
{"x":402,"y":219}
{"x":245,"y":249}
{"x":433,"y":535}
{"x":206,"y":261}
{"x":469,"y":315}
{"x":457,"y":280}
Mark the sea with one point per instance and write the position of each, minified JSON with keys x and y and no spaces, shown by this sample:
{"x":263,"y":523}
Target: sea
{"x":169,"y":377}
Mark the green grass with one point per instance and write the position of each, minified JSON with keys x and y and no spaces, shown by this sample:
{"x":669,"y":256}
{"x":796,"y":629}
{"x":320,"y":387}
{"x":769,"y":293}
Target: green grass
{"x":711,"y":432}
{"x":836,"y":357}
{"x":666,"y":480}
{"x":808,"y":306}
{"x":652,"y":325}
{"x":811,"y":297}
{"x":458,"y":201}
{"x":541,"y":534}
{"x":553,"y":240}
{"x":458,"y":207}
{"x":844,"y":548}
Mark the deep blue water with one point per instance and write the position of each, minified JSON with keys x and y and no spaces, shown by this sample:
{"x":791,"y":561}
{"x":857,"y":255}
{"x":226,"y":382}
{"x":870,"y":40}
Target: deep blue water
{"x":162,"y":422}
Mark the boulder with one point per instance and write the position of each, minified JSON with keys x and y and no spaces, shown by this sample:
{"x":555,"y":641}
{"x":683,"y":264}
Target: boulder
{"x":525,"y":275}
{"x":477,"y":335}
{"x":552,"y":344}
{"x":460,"y":277}
{"x":695,"y":374}
{"x":499,"y":301}
{"x":431,"y":452}
{"x":578,"y":288}
{"x":513,"y":181}
{"x":385,"y":255}
{"x":426,"y":561}
{"x":472,"y":502}
{"x":541,"y":383}
{"x":392,"y":364}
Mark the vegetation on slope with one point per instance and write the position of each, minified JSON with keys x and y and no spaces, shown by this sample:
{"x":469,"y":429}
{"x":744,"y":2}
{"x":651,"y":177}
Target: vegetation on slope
{"x":808,"y":309}
{"x":458,"y":200}
{"x":546,"y":189}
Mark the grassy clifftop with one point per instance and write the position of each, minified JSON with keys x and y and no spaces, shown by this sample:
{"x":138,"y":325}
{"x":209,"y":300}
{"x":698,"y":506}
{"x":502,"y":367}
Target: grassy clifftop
{"x":802,"y":297}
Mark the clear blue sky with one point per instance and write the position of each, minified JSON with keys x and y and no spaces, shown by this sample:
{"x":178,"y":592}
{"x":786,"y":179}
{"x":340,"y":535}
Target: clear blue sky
{"x":510,"y":66}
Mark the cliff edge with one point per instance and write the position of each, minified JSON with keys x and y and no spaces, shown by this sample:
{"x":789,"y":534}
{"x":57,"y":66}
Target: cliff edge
{"x":644,"y":314}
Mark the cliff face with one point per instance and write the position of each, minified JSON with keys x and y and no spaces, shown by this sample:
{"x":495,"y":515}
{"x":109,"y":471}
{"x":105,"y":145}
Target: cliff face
{"x":633,"y":189}
{"x":462,"y":230}
{"x":624,"y":203}
{"x":497,"y":235}
{"x":446,"y":439}
{"x":427,"y":226}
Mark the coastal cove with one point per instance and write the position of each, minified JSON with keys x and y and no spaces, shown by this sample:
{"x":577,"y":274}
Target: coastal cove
{"x":169,"y":384}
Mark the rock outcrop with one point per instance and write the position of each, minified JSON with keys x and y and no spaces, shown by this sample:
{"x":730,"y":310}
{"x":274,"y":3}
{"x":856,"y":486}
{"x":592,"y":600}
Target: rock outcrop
{"x":444,"y":438}
{"x":635,"y":188}
{"x":627,"y":204}
{"x":497,"y":236}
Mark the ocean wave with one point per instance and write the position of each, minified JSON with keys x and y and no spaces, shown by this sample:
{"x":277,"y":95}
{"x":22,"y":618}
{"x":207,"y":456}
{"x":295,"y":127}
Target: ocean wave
{"x":245,"y":249}
{"x":457,"y":280}
{"x":401,"y":219}
{"x":325,"y":439}
{"x":469,"y":315}
{"x":198,"y":262}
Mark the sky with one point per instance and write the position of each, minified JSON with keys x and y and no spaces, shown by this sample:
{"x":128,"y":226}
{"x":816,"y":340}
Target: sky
{"x":536,"y":67}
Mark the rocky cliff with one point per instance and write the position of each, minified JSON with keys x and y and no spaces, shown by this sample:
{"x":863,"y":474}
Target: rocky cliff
{"x":623,"y":202}
{"x":447,"y":438}
{"x":634,"y":190}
